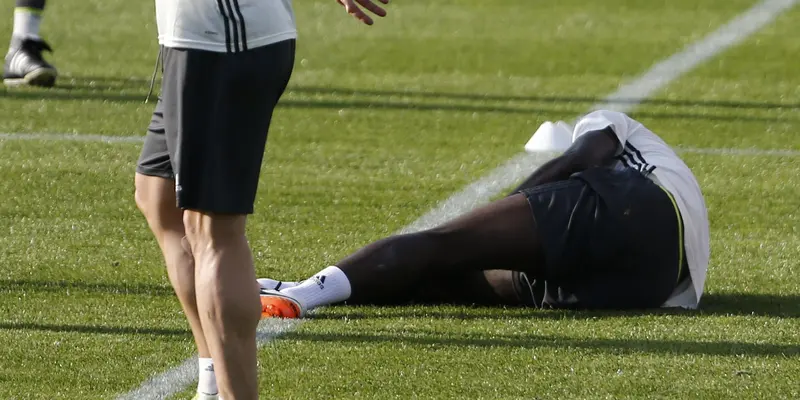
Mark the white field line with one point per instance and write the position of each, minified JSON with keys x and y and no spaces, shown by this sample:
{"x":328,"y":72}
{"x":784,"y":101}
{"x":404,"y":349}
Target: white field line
{"x":479,"y":192}
{"x":738,"y":151}
{"x":70,"y":137}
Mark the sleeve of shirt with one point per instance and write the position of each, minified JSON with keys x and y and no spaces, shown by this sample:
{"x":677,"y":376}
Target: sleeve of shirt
{"x":601,"y":119}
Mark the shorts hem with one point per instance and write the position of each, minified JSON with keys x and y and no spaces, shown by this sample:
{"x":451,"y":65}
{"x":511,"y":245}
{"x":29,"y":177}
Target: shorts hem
{"x":155,"y":172}
{"x":206,"y":209}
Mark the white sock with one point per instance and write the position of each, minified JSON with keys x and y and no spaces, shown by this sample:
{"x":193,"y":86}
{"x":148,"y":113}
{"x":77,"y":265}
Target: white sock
{"x":272,"y":284}
{"x":326,"y":287}
{"x":206,"y":380}
{"x":26,"y":23}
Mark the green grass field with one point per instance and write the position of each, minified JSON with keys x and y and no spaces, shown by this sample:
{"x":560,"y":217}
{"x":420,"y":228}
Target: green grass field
{"x":379,"y":125}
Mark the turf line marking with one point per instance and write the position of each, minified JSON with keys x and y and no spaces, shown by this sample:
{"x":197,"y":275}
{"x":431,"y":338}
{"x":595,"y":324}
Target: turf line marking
{"x":738,"y":152}
{"x":731,"y":34}
{"x":177,"y":379}
{"x":71,"y":137}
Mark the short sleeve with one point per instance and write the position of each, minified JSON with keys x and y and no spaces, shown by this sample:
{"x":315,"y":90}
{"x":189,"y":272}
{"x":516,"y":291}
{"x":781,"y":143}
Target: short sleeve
{"x":601,"y":119}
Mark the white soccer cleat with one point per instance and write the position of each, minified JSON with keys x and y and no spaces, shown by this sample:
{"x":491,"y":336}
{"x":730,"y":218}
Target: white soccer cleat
{"x":272,"y":284}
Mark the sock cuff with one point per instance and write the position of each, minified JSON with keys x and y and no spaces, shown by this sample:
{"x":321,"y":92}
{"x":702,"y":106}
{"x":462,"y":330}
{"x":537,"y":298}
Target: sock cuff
{"x":29,"y":10}
{"x":331,"y":269}
{"x":342,"y":280}
{"x":207,"y":381}
{"x":205,"y":364}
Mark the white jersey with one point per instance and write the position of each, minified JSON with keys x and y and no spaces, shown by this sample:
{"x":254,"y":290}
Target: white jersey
{"x":642,"y":150}
{"x":224,"y":25}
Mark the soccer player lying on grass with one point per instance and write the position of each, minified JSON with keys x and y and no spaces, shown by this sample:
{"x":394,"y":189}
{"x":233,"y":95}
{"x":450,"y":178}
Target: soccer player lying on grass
{"x":616,"y":222}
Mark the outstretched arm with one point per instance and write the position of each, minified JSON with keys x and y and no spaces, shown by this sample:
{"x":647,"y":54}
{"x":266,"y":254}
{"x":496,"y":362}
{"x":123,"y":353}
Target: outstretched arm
{"x":591,"y":149}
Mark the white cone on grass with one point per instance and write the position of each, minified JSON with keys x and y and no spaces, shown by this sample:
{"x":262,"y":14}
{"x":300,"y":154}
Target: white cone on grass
{"x":550,"y":137}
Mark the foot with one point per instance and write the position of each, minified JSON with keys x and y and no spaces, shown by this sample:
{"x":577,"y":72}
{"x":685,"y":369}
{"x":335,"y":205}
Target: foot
{"x":25,"y":66}
{"x":275,"y":304}
{"x":203,"y":396}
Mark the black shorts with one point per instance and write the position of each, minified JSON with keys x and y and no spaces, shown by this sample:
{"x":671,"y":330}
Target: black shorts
{"x":611,"y":239}
{"x":209,"y":128}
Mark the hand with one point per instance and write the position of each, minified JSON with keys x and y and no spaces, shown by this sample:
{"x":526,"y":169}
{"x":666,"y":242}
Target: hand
{"x":354,"y":10}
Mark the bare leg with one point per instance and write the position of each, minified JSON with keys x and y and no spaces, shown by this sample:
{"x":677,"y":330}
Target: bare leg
{"x":500,"y":234}
{"x":228,"y":298}
{"x":155,"y":197}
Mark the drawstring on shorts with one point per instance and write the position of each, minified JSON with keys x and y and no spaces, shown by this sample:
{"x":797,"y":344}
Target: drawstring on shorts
{"x":155,"y":72}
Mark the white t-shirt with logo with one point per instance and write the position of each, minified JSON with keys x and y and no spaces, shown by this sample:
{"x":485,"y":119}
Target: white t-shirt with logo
{"x":224,"y":25}
{"x":644,"y":151}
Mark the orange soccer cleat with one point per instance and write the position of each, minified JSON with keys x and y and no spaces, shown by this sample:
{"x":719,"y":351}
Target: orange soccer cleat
{"x":275,"y":304}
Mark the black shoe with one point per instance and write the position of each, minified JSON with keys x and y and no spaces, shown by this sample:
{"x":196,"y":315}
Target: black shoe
{"x":25,"y":65}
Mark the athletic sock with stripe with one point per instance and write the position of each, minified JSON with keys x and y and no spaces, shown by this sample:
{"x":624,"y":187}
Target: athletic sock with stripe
{"x":27,"y":22}
{"x":326,"y":287}
{"x":206,"y":379}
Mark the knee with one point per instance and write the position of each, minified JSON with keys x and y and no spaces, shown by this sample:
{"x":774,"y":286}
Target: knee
{"x":141,"y":200}
{"x":209,"y":231}
{"x":154,"y":199}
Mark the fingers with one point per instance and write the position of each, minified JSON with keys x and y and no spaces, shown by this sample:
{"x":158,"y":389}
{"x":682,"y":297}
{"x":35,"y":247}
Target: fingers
{"x":354,"y":10}
{"x":374,"y":8}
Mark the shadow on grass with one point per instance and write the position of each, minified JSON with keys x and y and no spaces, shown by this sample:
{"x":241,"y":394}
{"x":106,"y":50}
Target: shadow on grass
{"x":727,"y":304}
{"x":108,"y":83}
{"x":317,"y":90}
{"x":109,"y":88}
{"x":412,"y":106}
{"x":615,"y":346}
{"x":75,"y":82}
{"x":428,"y":339}
{"x":734,"y":304}
{"x":94,"y":329}
{"x":140,"y":289}
{"x":757,"y":305}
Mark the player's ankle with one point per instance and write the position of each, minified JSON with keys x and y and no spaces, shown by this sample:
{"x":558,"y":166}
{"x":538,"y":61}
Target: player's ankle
{"x":206,"y":379}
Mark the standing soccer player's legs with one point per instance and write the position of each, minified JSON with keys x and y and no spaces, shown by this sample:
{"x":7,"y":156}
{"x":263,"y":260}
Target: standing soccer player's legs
{"x":227,"y":298}
{"x":226,"y":103}
{"x":155,"y":197}
{"x":500,"y":235}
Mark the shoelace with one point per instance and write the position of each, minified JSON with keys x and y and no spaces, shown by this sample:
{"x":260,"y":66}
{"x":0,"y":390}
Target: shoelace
{"x":155,"y":72}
